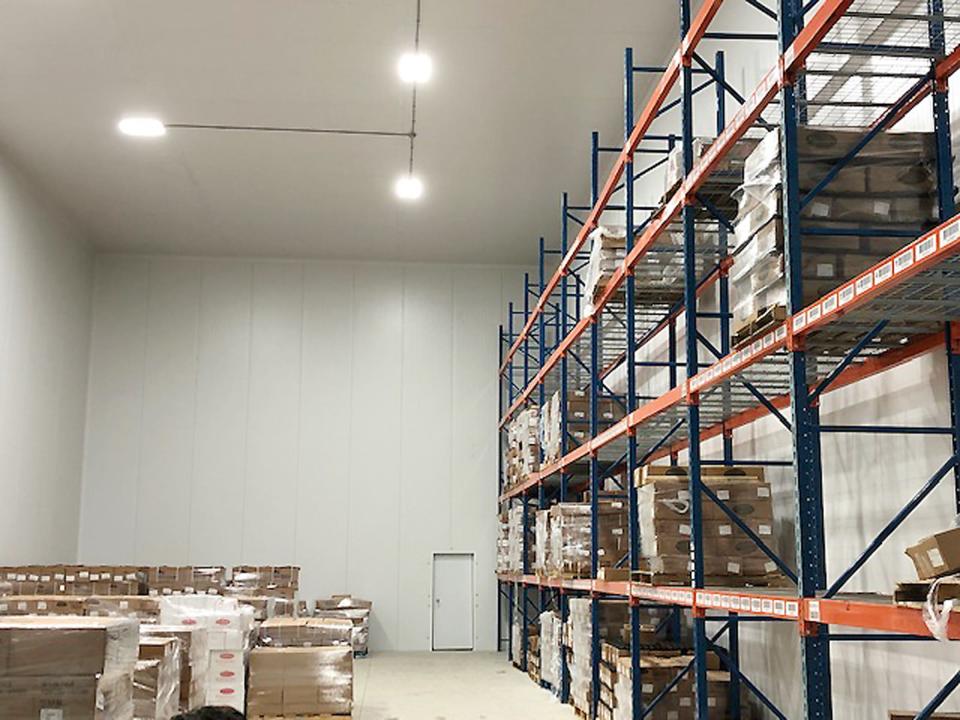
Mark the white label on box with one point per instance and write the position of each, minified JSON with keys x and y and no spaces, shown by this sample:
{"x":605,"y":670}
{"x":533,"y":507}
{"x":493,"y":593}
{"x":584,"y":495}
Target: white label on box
{"x":764,"y":530}
{"x":820,"y":209}
{"x":34,"y":577}
{"x":648,"y":687}
{"x":725,"y":529}
{"x":733,"y":567}
{"x":770,"y":566}
{"x":825,"y":270}
{"x":936,"y":559}
{"x":616,"y":504}
{"x":51,"y":714}
{"x":124,"y":604}
{"x":70,"y":578}
{"x":723,"y":494}
{"x":616,"y":531}
{"x":711,"y":702}
{"x":686,"y":702}
{"x":21,"y":605}
{"x":41,"y":605}
{"x":763,"y":492}
{"x":3,"y":607}
{"x":21,"y":578}
{"x":673,"y":714}
{"x":881,"y":207}
{"x":44,"y":578}
{"x":684,"y":529}
{"x":94,"y":576}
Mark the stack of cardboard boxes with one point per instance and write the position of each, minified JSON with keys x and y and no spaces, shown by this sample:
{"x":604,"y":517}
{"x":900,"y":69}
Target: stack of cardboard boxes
{"x":229,"y":626}
{"x":194,"y":662}
{"x":278,"y":581}
{"x":551,"y":648}
{"x":76,"y":580}
{"x":523,"y":446}
{"x":156,"y":680}
{"x":731,"y":557}
{"x":578,"y":421}
{"x":656,"y":674}
{"x":188,"y":579}
{"x":570,"y":542}
{"x":295,"y":681}
{"x":890,"y":184}
{"x":67,"y":667}
{"x":354,"y":609}
{"x":303,"y":667}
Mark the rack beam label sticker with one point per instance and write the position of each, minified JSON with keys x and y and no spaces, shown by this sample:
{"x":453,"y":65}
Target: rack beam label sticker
{"x":902,"y":261}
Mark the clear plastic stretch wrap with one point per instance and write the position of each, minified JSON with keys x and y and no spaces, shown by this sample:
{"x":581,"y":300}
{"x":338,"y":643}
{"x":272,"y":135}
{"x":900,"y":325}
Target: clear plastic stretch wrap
{"x":580,"y":664}
{"x":144,"y":608}
{"x":300,"y":681}
{"x":156,"y":687}
{"x":550,"y":649}
{"x":503,"y":544}
{"x":70,"y":667}
{"x":578,"y":421}
{"x":354,"y":609}
{"x":890,"y":184}
{"x":541,"y":556}
{"x":68,"y":645}
{"x":523,"y":446}
{"x":279,"y":581}
{"x":550,"y":428}
{"x":306,"y":632}
{"x":515,"y":539}
{"x":185,"y":579}
{"x":663,"y":503}
{"x":608,"y":248}
{"x":194,"y":659}
{"x":70,"y":697}
{"x":228,"y":622}
{"x":268,"y":607}
{"x":516,"y":647}
{"x":570,"y":541}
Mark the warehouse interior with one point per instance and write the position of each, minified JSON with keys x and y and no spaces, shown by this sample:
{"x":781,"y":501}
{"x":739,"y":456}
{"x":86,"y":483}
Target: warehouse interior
{"x":457,"y":359}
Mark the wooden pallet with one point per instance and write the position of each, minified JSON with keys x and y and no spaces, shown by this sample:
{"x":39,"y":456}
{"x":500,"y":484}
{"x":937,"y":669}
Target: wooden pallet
{"x":916,"y":592}
{"x":759,"y":323}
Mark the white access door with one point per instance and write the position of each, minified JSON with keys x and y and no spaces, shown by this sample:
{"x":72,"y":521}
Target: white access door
{"x":453,"y":601}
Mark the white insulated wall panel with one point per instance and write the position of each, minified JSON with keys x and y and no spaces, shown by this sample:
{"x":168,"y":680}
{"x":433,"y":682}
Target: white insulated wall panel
{"x":337,"y":415}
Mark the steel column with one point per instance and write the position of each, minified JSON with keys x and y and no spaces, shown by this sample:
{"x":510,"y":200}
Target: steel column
{"x":808,"y":474}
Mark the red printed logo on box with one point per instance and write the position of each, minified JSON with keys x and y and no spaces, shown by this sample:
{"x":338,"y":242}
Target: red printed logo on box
{"x":223,"y":621}
{"x":227,"y":656}
{"x":226,"y":691}
{"x":227,"y":673}
{"x":189,"y":621}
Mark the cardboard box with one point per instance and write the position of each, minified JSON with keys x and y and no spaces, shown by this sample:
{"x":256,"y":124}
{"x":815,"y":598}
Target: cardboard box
{"x":301,"y":681}
{"x":41,"y":605}
{"x":66,"y":697}
{"x":194,"y":660}
{"x":306,"y":632}
{"x":937,"y":555}
{"x":67,"y":646}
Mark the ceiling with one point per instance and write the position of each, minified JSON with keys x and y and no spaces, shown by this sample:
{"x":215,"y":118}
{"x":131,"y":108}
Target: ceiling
{"x":503,"y":126}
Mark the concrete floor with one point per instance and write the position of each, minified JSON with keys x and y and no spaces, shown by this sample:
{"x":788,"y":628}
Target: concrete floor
{"x":448,"y":686}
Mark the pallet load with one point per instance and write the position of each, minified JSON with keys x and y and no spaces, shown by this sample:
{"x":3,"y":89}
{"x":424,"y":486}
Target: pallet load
{"x":41,"y":605}
{"x":306,"y":632}
{"x":570,"y":543}
{"x":260,"y":581}
{"x":551,"y":648}
{"x":185,"y":580}
{"x":503,"y":543}
{"x":229,"y":625}
{"x":890,"y":184}
{"x":74,"y":580}
{"x":523,"y":446}
{"x":515,"y":541}
{"x":194,"y":660}
{"x":70,"y":667}
{"x":156,"y":680}
{"x":297,"y":681}
{"x":533,"y":655}
{"x":578,"y":421}
{"x":730,"y":556}
{"x":656,"y":673}
{"x":355,"y":610}
{"x":541,"y":543}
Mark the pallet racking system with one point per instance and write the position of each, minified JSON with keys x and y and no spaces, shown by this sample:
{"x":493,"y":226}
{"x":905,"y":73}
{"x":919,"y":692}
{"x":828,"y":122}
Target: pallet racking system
{"x":899,"y":52}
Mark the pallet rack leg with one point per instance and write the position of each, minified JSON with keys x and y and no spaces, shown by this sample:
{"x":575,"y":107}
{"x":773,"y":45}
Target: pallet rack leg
{"x":807,"y":468}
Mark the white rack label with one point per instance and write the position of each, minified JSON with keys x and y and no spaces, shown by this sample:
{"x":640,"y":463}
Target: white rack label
{"x":845,"y":295}
{"x":926,"y":247}
{"x":902,"y":261}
